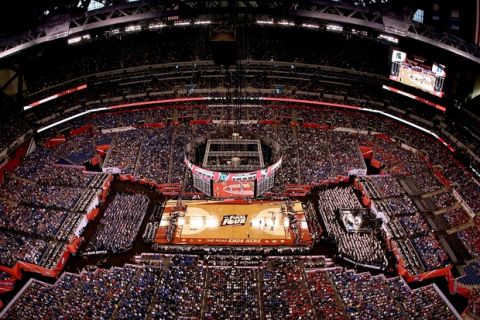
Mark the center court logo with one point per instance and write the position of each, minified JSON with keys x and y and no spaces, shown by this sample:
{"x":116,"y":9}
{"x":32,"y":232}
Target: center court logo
{"x":234,"y":220}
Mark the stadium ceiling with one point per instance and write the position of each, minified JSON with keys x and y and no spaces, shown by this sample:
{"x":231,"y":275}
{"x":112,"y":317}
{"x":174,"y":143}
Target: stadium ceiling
{"x":119,"y":12}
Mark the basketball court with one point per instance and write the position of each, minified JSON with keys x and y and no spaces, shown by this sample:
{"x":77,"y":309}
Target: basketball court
{"x":417,"y":79}
{"x":233,"y":223}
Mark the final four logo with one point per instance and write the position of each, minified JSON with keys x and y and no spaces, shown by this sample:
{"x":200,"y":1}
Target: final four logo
{"x":234,"y":220}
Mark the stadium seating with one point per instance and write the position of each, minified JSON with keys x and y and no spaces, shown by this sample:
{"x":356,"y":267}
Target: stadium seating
{"x":120,"y":223}
{"x":169,"y":287}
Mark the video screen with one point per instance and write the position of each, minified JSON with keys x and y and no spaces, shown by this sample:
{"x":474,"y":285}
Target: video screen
{"x":418,"y":74}
{"x":234,"y":189}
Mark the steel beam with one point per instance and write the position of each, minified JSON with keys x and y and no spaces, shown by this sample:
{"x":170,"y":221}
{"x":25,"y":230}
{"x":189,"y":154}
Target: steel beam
{"x":326,"y":11}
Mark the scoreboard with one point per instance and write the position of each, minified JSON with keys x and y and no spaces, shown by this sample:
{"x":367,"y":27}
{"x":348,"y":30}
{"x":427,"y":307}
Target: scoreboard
{"x":233,"y":184}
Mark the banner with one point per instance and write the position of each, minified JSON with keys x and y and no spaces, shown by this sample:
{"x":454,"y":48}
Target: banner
{"x":55,"y":96}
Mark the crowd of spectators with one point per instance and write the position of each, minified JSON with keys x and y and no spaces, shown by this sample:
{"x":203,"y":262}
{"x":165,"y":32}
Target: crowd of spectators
{"x":89,"y":295}
{"x":374,"y":297}
{"x":473,"y":308}
{"x":59,"y":197}
{"x":284,"y":291}
{"x":455,"y":218}
{"x":431,"y":252}
{"x":365,"y":248}
{"x":424,"y":302}
{"x":13,"y":127}
{"x":368,"y":296}
{"x":154,"y":157}
{"x":41,"y":222}
{"x":147,"y":48}
{"x":4,"y":275}
{"x":124,"y":151}
{"x":388,"y":155}
{"x":314,"y":150}
{"x":154,"y":154}
{"x":345,"y":153}
{"x":85,"y":66}
{"x":16,"y":247}
{"x":79,"y":149}
{"x":181,"y":137}
{"x":427,"y":182}
{"x":325,"y":299}
{"x":302,"y":148}
{"x":35,"y":161}
{"x":112,"y":120}
{"x":408,"y":257}
{"x":415,"y":225}
{"x":382,"y":187}
{"x":396,"y":160}
{"x":95,"y":56}
{"x":40,"y":211}
{"x":327,"y":155}
{"x":414,"y":242}
{"x":140,"y":292}
{"x":52,"y":186}
{"x":470,"y":238}
{"x":443,"y":200}
{"x":467,"y":188}
{"x":397,"y":207}
{"x":52,"y":175}
{"x":184,"y":286}
{"x":74,"y":150}
{"x":120,"y":223}
{"x":180,"y":291}
{"x":289,"y":170}
{"x":232,"y":293}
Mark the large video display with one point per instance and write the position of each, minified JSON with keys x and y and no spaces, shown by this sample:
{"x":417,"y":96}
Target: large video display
{"x":234,"y":189}
{"x":233,"y":184}
{"x":417,"y":74}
